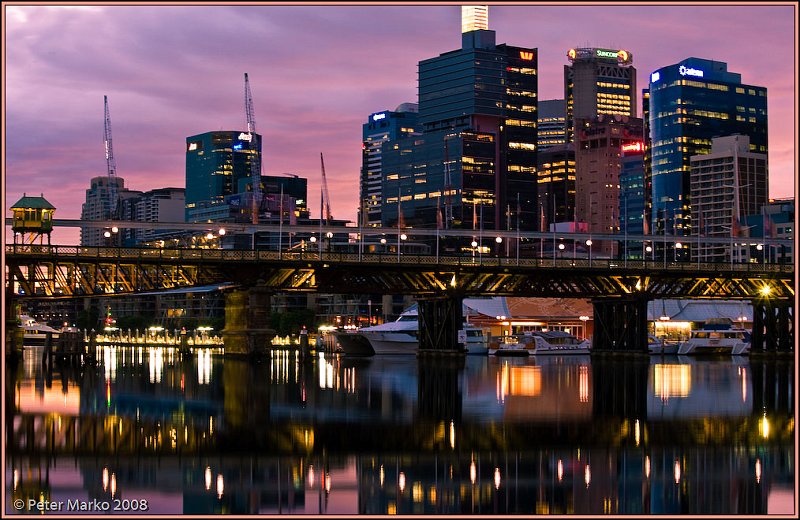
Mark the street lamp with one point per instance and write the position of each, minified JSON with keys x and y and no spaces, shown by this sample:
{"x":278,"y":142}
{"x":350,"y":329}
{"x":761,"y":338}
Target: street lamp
{"x":400,"y":237}
{"x":561,"y":250}
{"x":678,"y":245}
{"x":589,"y":245}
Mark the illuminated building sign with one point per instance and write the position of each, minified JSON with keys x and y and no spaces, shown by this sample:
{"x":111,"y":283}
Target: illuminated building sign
{"x":237,"y":146}
{"x":572,"y":54}
{"x":378,"y":117}
{"x":245,"y":137}
{"x":632,"y":147}
{"x":603,"y":53}
{"x":192,"y":147}
{"x":655,"y":77}
{"x":527,"y":56}
{"x":688,"y":71}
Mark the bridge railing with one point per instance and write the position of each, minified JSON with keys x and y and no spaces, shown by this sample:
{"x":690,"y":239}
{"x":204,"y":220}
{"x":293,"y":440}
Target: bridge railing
{"x":215,"y":255}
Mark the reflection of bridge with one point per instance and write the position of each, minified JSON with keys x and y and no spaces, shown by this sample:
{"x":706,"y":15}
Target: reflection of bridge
{"x":620,"y":288}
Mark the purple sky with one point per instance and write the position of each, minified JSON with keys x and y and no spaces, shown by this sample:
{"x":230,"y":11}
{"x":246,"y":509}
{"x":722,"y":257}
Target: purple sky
{"x":316,"y":73}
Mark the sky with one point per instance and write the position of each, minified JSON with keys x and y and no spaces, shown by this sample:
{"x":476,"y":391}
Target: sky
{"x":316,"y":73}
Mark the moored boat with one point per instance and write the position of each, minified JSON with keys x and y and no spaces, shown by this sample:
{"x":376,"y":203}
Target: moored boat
{"x":539,"y":343}
{"x":717,"y":338}
{"x":35,"y":333}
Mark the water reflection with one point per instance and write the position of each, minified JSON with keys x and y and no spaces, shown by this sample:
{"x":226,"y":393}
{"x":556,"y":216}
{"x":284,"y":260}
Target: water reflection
{"x":199,"y":434}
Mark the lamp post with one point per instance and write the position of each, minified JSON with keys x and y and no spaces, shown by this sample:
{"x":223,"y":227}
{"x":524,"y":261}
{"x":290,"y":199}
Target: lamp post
{"x":498,"y":240}
{"x":649,"y":249}
{"x":400,"y":237}
{"x":474,"y":245}
{"x":678,"y":245}
{"x":589,"y":245}
{"x":561,"y":247}
{"x":383,"y":243}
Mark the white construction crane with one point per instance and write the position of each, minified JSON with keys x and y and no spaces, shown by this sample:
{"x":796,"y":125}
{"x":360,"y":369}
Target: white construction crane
{"x":255,"y":162}
{"x":111,"y":165}
{"x":325,"y":191}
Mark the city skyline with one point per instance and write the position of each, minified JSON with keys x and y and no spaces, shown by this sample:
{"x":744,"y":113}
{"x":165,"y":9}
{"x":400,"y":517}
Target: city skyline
{"x":314,"y":89}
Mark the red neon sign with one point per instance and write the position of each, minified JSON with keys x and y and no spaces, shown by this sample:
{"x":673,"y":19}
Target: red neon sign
{"x":632,"y":147}
{"x":527,"y":56}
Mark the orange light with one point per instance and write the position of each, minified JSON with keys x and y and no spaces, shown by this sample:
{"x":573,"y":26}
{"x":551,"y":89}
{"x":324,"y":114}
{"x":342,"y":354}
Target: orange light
{"x":527,"y":56}
{"x":623,"y":56}
{"x":571,"y":54}
{"x":632,"y":147}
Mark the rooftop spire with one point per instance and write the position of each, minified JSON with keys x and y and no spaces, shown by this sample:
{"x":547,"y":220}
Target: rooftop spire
{"x":474,"y":18}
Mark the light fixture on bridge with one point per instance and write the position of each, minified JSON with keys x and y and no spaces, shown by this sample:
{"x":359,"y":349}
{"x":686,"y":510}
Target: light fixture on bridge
{"x":383,"y":241}
{"x":589,"y":242}
{"x":221,"y":231}
{"x":312,"y":239}
{"x":678,"y":245}
{"x":649,"y":249}
{"x":107,"y":234}
{"x":329,"y":234}
{"x":766,"y":290}
{"x":115,"y":229}
{"x":403,"y":237}
{"x":561,"y":247}
{"x":473,"y":244}
{"x":759,"y":247}
{"x":209,"y":236}
{"x":499,"y":240}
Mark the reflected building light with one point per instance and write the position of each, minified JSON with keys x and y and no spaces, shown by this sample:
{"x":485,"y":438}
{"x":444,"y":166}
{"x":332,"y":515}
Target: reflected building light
{"x":764,"y":426}
{"x":583,"y":383}
{"x":113,"y":485}
{"x":636,"y":432}
{"x":401,"y":481}
{"x":452,"y":435}
{"x":672,"y":381}
{"x":311,"y":476}
{"x":473,"y":473}
{"x":647,"y":467}
{"x":587,"y":475}
{"x":16,"y":479}
{"x":327,"y":482}
{"x":208,"y":478}
{"x":381,"y":475}
{"x":758,"y":471}
{"x":105,"y":479}
{"x":497,"y":478}
{"x":744,"y":386}
{"x":677,"y":471}
{"x":560,"y":470}
{"x":220,"y":485}
{"x":417,"y":494}
{"x":211,"y":425}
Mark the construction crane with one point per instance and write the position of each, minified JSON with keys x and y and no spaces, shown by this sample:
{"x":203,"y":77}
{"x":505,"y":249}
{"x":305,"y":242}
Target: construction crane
{"x":110,"y":164}
{"x":255,"y":162}
{"x":325,"y":191}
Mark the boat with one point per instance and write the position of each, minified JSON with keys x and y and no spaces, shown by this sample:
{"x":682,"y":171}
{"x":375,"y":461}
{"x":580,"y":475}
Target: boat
{"x":717,"y":337}
{"x":541,"y":343}
{"x":35,"y":333}
{"x":660,"y":346}
{"x":399,"y":337}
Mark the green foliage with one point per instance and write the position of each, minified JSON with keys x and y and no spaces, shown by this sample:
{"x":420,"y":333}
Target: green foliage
{"x":89,"y":318}
{"x":135,"y":322}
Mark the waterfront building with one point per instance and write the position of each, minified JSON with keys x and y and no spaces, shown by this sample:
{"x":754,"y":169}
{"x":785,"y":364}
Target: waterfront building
{"x":552,"y":124}
{"x":97,"y":206}
{"x":647,"y":157}
{"x":598,"y":82}
{"x":556,"y":184}
{"x":379,"y":128}
{"x":725,"y":186}
{"x":691,"y":102}
{"x":632,"y":198}
{"x":216,"y":162}
{"x":775,"y":221}
{"x":477,"y":151}
{"x":599,"y":143}
{"x":33,"y":216}
{"x":158,"y":205}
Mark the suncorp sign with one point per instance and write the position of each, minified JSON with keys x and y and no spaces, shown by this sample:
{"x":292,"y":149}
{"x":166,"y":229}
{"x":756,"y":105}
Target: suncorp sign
{"x":688,"y":71}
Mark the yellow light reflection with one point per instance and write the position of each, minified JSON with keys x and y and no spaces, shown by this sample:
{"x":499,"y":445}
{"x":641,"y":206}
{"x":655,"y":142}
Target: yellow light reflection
{"x":560,"y":470}
{"x":472,"y":472}
{"x":105,"y":479}
{"x":758,"y":471}
{"x":497,"y":478}
{"x":310,"y":476}
{"x":208,"y":478}
{"x":220,"y":485}
{"x":452,"y":435}
{"x":401,"y":481}
{"x":636,"y":432}
{"x":587,"y":475}
{"x":677,"y":472}
{"x":672,"y":380}
{"x":382,"y":475}
{"x":764,"y":427}
{"x":647,"y":467}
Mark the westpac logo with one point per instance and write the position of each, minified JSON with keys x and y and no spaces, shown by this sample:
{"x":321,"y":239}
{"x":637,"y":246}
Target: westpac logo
{"x":525,"y":55}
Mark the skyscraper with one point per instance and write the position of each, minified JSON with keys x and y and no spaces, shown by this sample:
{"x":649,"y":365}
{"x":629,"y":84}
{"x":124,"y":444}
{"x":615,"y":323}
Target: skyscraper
{"x":477,"y":103}
{"x":599,"y":143}
{"x":379,"y":128}
{"x":552,"y":123}
{"x":96,"y":206}
{"x":725,"y":186}
{"x":598,"y":82}
{"x":216,"y":162}
{"x":692,"y":102}
{"x":556,"y":184}
{"x":158,"y":205}
{"x":632,"y":196}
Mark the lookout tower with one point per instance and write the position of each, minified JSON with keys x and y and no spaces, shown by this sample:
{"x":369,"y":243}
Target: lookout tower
{"x":33,"y":216}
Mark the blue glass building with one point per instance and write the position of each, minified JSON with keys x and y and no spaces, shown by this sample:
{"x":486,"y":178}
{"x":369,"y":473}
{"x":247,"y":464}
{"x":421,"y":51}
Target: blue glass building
{"x":690,"y":103}
{"x":632,"y":198}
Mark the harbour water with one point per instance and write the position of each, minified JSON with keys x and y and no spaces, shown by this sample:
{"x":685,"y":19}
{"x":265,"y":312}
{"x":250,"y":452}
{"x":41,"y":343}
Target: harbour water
{"x":203,"y":434}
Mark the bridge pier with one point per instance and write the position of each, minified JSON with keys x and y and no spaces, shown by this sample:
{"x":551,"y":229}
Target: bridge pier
{"x":620,"y":325}
{"x":440,"y":319}
{"x":13,"y":334}
{"x":773,"y":325}
{"x":246,"y":332}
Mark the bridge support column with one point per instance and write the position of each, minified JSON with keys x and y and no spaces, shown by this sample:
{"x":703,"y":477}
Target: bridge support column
{"x":440,"y":319}
{"x":14,"y":334}
{"x":620,"y":325}
{"x":246,"y":332}
{"x":773,"y":325}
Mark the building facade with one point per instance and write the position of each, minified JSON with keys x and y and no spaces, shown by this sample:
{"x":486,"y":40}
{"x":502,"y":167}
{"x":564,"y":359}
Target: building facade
{"x":691,"y":102}
{"x":725,"y":186}
{"x":216,"y":162}
{"x":632,"y":198}
{"x":97,"y":207}
{"x":159,"y":205}
{"x":556,"y":185}
{"x":379,"y":128}
{"x":477,"y":150}
{"x":598,"y":147}
{"x":552,"y":124}
{"x":598,"y":82}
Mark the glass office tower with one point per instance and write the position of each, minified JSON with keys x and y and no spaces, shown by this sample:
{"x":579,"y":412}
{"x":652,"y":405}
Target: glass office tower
{"x":692,"y":102}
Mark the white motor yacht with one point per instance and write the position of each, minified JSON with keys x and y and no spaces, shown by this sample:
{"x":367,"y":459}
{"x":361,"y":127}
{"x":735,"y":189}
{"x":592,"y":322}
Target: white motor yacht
{"x":534,"y":343}
{"x":35,"y":333}
{"x":715,"y":339}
